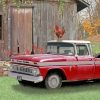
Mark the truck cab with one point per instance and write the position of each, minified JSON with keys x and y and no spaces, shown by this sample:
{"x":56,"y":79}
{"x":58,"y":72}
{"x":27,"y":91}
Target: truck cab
{"x":69,"y":47}
{"x":65,"y":60}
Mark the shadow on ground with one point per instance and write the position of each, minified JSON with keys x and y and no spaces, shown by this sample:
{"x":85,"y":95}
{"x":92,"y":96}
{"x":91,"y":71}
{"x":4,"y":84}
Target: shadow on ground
{"x":71,"y":87}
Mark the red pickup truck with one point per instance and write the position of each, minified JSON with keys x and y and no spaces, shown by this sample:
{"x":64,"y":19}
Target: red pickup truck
{"x":66,"y":60}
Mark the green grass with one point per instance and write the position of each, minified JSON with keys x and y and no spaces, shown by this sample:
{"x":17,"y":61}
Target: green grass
{"x":11,"y":90}
{"x":96,"y":48}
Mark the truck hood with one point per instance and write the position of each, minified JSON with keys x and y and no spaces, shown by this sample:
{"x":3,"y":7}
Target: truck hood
{"x":44,"y":58}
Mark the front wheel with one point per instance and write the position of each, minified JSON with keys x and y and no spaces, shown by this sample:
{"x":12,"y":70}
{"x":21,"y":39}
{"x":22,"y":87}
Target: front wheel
{"x":53,"y":81}
{"x":22,"y":82}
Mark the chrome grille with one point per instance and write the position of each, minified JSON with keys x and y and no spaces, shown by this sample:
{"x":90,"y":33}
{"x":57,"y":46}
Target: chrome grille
{"x":22,"y":69}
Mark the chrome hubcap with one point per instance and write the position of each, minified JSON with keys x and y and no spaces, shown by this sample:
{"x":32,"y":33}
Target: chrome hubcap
{"x":53,"y":81}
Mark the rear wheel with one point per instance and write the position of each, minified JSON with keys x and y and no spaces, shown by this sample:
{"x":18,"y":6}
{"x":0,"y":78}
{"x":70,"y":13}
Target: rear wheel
{"x":53,"y":81}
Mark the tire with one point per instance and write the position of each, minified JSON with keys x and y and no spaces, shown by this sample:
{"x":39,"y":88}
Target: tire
{"x":24,"y":83}
{"x":53,"y":81}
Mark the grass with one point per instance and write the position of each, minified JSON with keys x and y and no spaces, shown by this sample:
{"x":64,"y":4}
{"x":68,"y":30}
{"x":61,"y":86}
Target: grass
{"x":11,"y":90}
{"x":96,"y":48}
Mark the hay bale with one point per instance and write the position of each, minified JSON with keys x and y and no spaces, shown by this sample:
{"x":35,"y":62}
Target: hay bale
{"x":4,"y":67}
{"x":5,"y":72}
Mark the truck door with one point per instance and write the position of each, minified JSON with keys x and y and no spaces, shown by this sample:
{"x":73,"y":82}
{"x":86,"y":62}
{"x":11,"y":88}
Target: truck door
{"x":85,"y":62}
{"x":97,"y":67}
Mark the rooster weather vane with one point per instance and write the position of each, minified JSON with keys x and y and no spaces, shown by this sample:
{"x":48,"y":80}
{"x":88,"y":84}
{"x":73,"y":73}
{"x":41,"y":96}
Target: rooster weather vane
{"x":59,"y":31}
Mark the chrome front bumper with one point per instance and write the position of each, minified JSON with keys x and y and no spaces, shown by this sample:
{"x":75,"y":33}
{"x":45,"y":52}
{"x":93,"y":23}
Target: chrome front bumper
{"x":19,"y":76}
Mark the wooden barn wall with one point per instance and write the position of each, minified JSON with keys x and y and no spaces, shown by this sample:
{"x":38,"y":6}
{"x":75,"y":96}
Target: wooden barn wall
{"x":45,"y":17}
{"x":4,"y":40}
{"x":1,"y":49}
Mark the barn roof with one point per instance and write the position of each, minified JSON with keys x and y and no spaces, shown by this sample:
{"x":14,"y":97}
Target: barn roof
{"x":81,"y":4}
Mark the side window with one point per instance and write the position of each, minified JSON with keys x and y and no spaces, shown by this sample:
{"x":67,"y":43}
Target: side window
{"x":52,"y":49}
{"x":82,"y":50}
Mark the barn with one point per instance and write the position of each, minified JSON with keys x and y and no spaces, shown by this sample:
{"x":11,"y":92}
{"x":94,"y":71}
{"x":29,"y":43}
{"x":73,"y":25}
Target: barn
{"x":31,"y":26}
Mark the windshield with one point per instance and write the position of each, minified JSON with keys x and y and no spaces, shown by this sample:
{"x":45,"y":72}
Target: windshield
{"x":61,"y":48}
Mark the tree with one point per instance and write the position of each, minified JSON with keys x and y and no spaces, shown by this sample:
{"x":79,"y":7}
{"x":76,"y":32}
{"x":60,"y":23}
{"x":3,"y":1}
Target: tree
{"x":90,"y":18}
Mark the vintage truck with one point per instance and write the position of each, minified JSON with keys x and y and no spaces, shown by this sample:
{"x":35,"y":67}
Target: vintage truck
{"x":66,"y":60}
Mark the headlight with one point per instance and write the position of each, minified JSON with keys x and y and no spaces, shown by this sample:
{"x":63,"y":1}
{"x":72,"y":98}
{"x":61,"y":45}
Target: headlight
{"x":11,"y":67}
{"x":35,"y":72}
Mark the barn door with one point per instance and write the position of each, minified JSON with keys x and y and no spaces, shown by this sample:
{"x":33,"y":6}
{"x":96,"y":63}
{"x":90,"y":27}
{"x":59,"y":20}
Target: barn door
{"x":21,"y":21}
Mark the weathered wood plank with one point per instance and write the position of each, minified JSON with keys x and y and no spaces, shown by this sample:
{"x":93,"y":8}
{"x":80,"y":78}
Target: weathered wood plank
{"x":36,"y":25}
{"x":28,"y":29}
{"x":14,"y":30}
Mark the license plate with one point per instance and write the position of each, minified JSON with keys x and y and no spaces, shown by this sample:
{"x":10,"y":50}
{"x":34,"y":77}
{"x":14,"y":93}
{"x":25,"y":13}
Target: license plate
{"x":19,"y":78}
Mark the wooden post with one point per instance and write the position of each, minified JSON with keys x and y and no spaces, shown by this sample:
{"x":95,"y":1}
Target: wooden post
{"x":32,"y":52}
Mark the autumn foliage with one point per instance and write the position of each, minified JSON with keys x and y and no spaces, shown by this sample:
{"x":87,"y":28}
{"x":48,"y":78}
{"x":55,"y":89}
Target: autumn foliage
{"x":91,"y":27}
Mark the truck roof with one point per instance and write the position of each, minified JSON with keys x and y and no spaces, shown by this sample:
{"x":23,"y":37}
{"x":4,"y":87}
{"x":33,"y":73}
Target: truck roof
{"x":69,"y":41}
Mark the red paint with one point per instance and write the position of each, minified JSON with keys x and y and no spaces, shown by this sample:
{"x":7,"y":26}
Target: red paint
{"x":97,"y":69}
{"x":85,"y":71}
{"x":72,"y":72}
